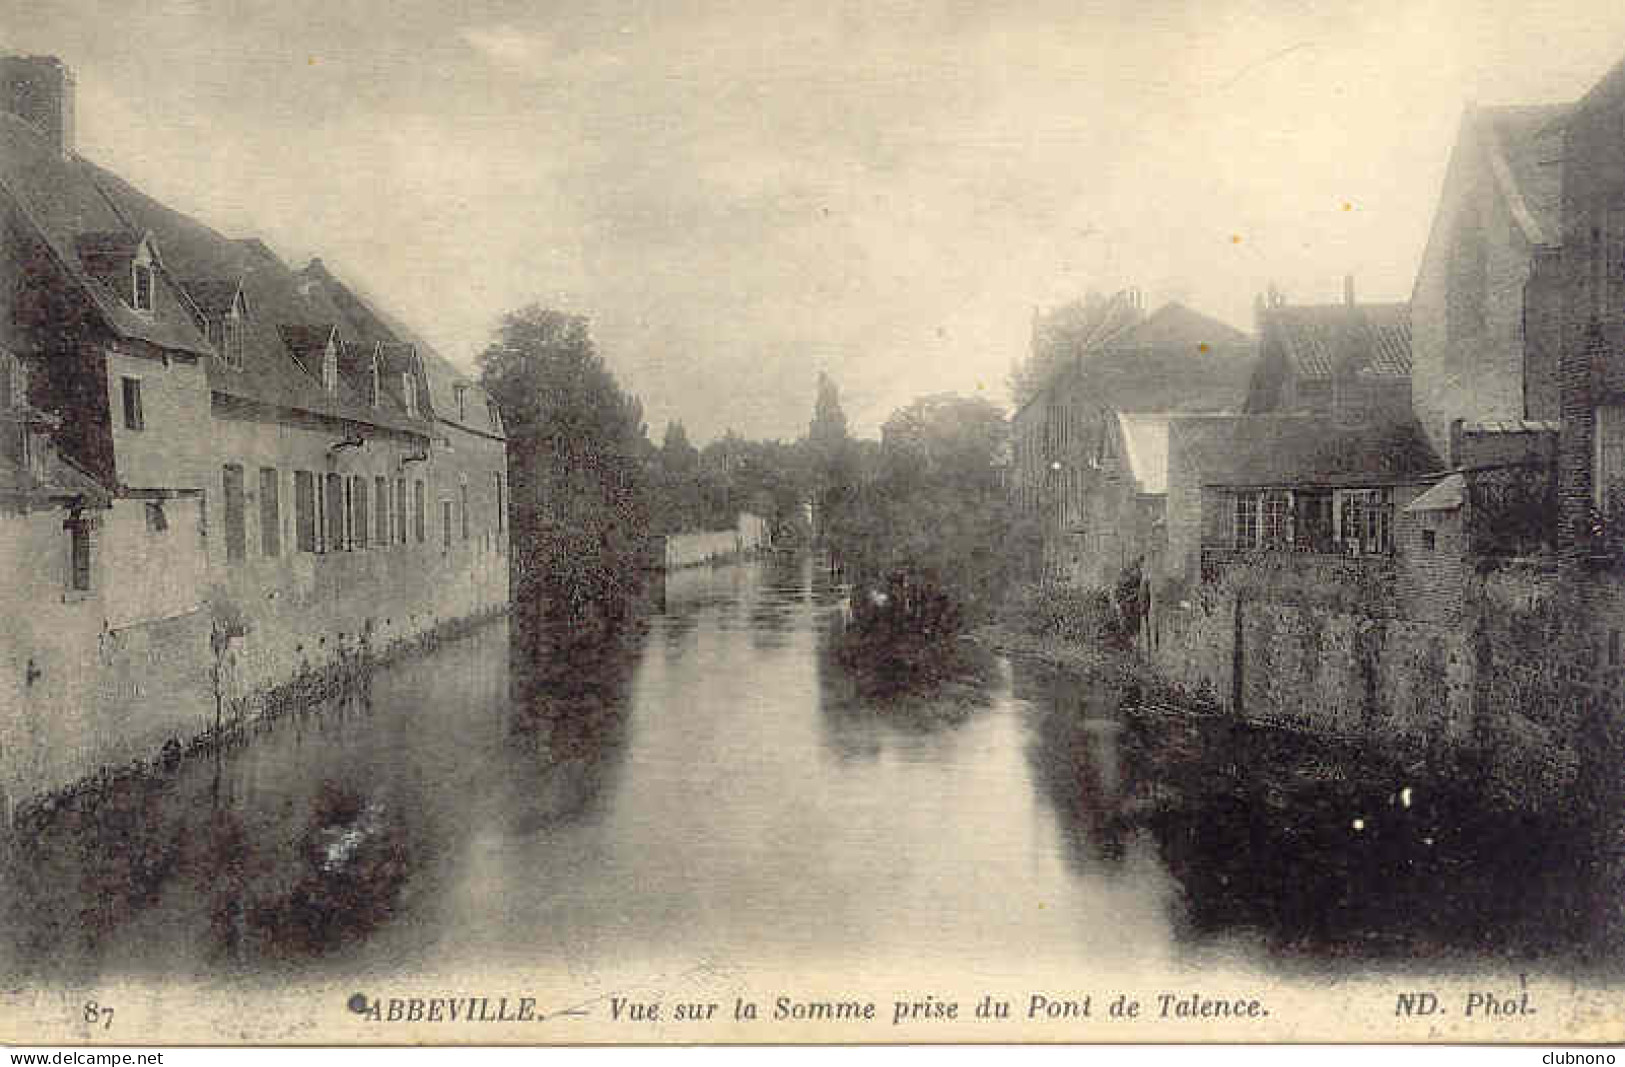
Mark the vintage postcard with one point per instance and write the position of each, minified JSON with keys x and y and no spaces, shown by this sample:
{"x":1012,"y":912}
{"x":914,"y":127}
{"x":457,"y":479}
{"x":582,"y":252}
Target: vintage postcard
{"x":918,"y":521}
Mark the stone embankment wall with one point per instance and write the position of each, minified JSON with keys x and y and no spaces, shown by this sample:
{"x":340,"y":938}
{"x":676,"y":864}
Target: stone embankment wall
{"x":1528,"y":673}
{"x":750,"y":534}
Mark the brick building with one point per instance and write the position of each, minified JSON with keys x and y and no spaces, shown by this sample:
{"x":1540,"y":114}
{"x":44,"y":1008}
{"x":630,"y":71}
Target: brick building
{"x":225,"y":473}
{"x":1591,"y":462}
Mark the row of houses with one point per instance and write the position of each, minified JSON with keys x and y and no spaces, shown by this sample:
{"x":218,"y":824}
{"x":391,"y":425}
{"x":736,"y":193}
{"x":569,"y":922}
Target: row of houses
{"x":219,"y":472}
{"x":1412,"y":454}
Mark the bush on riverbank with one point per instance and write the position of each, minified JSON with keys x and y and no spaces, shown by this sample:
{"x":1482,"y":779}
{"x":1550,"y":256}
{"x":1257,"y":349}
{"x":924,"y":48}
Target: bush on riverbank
{"x":1106,"y":618}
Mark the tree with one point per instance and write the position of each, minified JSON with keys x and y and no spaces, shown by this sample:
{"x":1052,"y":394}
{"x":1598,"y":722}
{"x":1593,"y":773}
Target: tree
{"x":577,"y":449}
{"x":932,"y":535}
{"x":830,"y":454}
{"x":1064,"y":333}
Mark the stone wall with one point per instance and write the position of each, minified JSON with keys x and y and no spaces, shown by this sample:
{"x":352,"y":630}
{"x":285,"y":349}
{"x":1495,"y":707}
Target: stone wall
{"x":699,"y":547}
{"x":1528,"y":680}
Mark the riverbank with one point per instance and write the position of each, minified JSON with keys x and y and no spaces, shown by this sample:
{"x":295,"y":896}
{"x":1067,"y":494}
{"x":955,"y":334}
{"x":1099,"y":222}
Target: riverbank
{"x":1122,"y":668}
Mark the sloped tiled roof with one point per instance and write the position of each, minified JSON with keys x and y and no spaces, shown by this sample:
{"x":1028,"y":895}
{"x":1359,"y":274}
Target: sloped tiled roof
{"x":367,"y":318}
{"x":1315,"y":338}
{"x":1282,"y":450}
{"x":61,"y":202}
{"x":1145,"y":442}
{"x":282,"y":309}
{"x":212,"y":295}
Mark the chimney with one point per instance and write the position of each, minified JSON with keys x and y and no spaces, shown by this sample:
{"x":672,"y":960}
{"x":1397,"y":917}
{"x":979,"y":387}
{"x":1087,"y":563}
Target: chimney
{"x":39,"y":90}
{"x":1348,"y":291}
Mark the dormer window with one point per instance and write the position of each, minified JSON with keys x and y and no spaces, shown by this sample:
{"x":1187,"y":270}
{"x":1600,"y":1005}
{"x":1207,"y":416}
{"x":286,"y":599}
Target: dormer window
{"x":462,"y":403}
{"x":330,"y":369}
{"x":491,"y":413}
{"x":409,"y":394}
{"x":231,"y":340}
{"x":141,"y":287}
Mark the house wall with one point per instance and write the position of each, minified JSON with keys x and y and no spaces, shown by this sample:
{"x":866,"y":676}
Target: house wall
{"x":1429,"y":581}
{"x":84,"y":682}
{"x":1592,"y":295}
{"x":1183,"y":511}
{"x":303,"y":611}
{"x":1477,"y":374}
{"x":108,"y":677}
{"x":168,"y":452}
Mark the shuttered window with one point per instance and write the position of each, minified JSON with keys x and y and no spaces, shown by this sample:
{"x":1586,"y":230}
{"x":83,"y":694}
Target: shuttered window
{"x":270,"y":513}
{"x":304,"y":510}
{"x":231,"y":478}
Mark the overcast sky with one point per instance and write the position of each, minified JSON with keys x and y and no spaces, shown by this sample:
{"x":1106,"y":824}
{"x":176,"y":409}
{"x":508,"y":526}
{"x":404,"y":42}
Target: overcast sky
{"x":740,"y":195}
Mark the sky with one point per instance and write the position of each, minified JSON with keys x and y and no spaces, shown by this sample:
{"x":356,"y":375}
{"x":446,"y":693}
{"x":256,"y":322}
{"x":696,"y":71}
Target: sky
{"x":741,"y":195}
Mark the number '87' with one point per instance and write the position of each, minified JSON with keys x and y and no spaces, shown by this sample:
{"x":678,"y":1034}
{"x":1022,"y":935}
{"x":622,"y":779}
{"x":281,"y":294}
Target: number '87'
{"x":95,"y":1013}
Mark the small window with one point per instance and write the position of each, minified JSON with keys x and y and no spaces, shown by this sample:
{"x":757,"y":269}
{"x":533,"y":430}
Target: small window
{"x":502,"y":503}
{"x":462,"y":403}
{"x":409,"y":393}
{"x":81,"y":545}
{"x":230,"y":340}
{"x":445,"y":526}
{"x":492,"y":414}
{"x":142,"y":288}
{"x":464,"y":508}
{"x":330,"y":369}
{"x":1246,"y":521}
{"x":419,"y":508}
{"x":1277,"y":519}
{"x":1430,"y":539}
{"x":133,"y":418}
{"x":157,"y":521}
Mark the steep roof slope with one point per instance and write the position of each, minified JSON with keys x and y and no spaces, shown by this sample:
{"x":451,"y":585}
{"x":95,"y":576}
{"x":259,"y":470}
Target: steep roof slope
{"x":61,"y":201}
{"x":367,"y":318}
{"x":1264,"y":450}
{"x":282,"y":312}
{"x":1315,"y":338}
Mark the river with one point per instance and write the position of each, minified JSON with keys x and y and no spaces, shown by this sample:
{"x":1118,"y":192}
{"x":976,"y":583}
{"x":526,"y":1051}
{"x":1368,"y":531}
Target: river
{"x":710,"y":791}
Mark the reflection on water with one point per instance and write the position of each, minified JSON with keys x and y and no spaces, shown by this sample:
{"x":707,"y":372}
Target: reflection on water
{"x":711,"y":783}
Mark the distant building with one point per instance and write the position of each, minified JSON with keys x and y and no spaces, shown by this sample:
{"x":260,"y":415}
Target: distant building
{"x":1485,"y":340}
{"x":218,"y":473}
{"x":1173,"y":360}
{"x":1248,"y":484}
{"x":1350,"y":362}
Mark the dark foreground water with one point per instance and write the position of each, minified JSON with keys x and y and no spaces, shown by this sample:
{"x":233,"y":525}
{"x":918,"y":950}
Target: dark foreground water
{"x":712,"y":788}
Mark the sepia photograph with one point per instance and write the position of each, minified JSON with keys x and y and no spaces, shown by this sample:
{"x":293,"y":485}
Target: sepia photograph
{"x":869,"y":523}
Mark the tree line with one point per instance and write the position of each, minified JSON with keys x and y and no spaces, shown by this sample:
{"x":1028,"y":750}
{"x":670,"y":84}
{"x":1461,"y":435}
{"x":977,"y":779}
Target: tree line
{"x":918,"y":522}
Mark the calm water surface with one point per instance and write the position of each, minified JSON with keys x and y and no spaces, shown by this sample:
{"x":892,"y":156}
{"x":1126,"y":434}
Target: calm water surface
{"x":711,"y":788}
